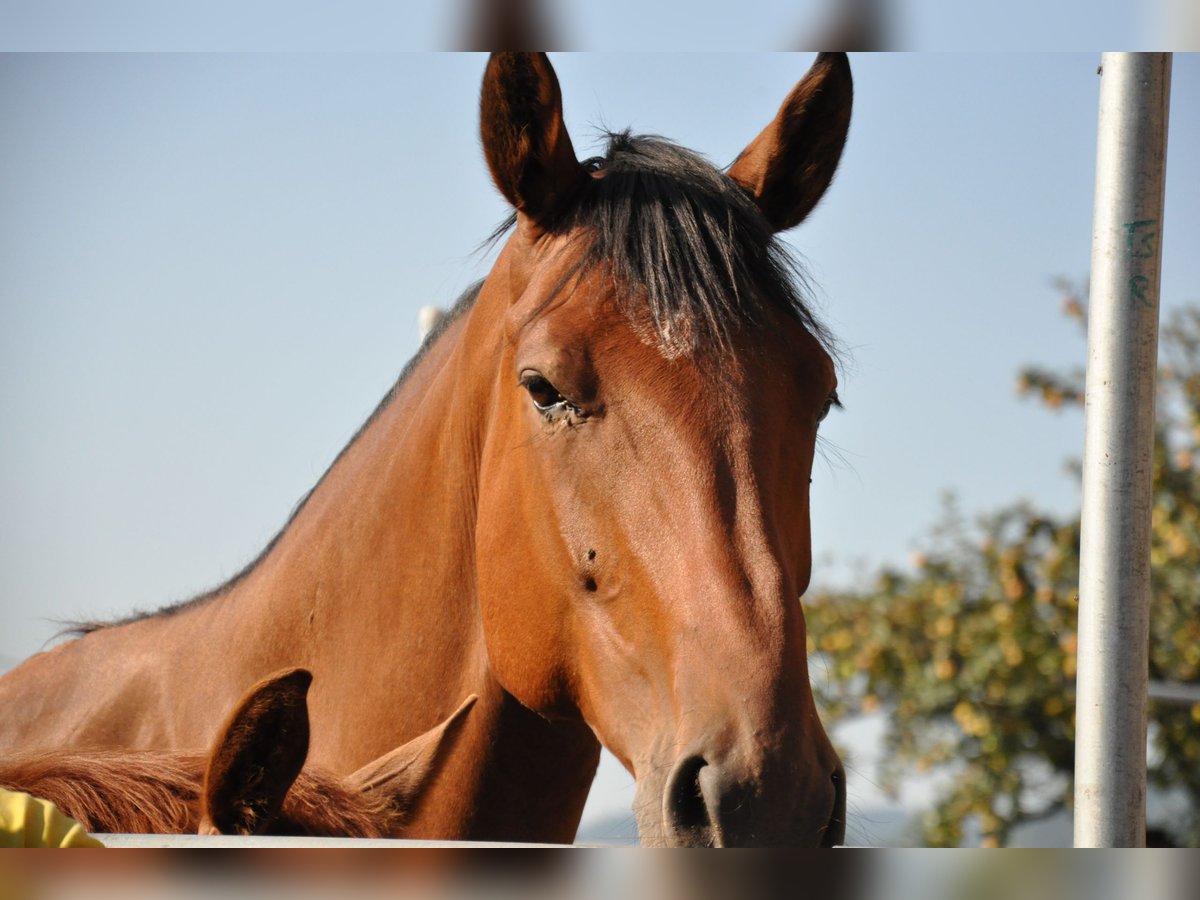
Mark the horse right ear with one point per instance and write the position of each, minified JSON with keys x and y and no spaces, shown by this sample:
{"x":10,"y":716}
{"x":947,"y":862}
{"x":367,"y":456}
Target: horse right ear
{"x":257,"y":756}
{"x":787,"y":168}
{"x":524,"y":137}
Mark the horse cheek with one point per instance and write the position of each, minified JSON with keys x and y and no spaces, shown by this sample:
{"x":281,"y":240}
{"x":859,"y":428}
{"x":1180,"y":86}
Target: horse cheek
{"x":524,"y":618}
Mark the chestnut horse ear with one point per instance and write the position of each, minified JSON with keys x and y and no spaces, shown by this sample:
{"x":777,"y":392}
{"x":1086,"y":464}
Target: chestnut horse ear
{"x":787,"y":168}
{"x":402,"y":776}
{"x":257,"y":755}
{"x":524,"y":137}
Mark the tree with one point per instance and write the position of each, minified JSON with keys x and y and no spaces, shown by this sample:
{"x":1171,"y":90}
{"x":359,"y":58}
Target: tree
{"x":973,"y":654}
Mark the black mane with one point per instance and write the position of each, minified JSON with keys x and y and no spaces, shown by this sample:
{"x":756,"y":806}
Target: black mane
{"x":684,"y":242}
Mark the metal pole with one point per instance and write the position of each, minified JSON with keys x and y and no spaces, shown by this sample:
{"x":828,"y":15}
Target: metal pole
{"x":1114,"y":577}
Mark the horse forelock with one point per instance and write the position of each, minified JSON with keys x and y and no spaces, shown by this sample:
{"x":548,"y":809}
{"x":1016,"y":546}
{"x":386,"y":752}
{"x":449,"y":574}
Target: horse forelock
{"x":685,"y":246}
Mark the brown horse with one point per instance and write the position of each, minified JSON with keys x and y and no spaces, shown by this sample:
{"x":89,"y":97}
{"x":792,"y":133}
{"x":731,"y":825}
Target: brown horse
{"x":250,"y":782}
{"x":585,"y":501}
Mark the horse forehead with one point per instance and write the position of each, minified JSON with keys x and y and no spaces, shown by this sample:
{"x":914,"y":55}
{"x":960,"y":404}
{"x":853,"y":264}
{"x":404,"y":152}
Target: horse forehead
{"x":778,"y":359}
{"x":587,"y":314}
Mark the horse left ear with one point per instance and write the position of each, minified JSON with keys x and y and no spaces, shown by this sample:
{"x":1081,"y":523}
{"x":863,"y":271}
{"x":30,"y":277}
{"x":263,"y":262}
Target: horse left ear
{"x":787,"y":168}
{"x":257,"y":756}
{"x":524,"y":137}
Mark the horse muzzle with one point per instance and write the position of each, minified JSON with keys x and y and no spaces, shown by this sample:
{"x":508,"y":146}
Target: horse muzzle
{"x":707,"y":804}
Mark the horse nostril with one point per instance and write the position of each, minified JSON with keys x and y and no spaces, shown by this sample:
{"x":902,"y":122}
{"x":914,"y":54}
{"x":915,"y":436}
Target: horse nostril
{"x":835,"y":832}
{"x":706,"y":804}
{"x":684,"y":808}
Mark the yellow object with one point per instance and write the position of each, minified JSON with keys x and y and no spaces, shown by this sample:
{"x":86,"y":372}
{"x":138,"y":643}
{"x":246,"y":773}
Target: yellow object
{"x":26,"y":821}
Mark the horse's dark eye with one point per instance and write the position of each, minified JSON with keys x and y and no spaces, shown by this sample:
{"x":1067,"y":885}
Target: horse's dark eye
{"x":545,"y":395}
{"x":829,"y":404}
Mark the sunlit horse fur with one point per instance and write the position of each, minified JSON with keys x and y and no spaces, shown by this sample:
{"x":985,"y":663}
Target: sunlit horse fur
{"x":585,"y":502}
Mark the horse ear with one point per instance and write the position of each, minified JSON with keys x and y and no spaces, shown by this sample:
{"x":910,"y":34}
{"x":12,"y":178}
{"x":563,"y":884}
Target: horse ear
{"x":524,"y":137}
{"x":787,"y":168}
{"x":402,"y":776}
{"x":257,"y":755}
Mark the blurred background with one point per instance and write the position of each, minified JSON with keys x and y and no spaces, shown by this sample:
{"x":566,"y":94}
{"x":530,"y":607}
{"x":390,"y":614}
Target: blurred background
{"x":373,"y":25}
{"x":211,"y":267}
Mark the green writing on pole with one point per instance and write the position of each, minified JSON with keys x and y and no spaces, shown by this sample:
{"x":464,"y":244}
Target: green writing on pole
{"x":1139,"y":239}
{"x":1138,"y":286}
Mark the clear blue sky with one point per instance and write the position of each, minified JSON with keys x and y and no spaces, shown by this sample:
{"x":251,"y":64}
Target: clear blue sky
{"x":210,"y":268}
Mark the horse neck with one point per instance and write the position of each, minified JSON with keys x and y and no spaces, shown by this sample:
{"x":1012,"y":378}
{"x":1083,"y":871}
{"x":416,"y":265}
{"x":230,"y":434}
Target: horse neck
{"x":395,"y":653}
{"x":372,"y":584}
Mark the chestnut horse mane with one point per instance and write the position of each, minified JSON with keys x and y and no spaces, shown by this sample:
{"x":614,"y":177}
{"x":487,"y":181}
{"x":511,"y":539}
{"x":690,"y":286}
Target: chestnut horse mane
{"x":680,"y":238}
{"x":158,"y":792}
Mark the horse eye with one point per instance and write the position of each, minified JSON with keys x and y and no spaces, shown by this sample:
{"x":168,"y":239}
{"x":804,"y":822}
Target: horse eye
{"x":829,"y":404}
{"x":545,"y":395}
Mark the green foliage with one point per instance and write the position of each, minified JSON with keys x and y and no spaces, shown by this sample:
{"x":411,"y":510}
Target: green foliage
{"x":972,"y":655}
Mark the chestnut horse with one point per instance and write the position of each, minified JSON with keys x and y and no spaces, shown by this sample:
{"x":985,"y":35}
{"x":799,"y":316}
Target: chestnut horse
{"x":586,"y":502}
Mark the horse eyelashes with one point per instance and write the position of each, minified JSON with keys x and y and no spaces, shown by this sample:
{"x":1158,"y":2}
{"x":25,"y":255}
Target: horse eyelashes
{"x":546,"y":397}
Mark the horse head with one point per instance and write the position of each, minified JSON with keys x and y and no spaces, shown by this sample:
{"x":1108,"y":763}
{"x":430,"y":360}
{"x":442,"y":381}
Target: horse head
{"x":643,"y":506}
